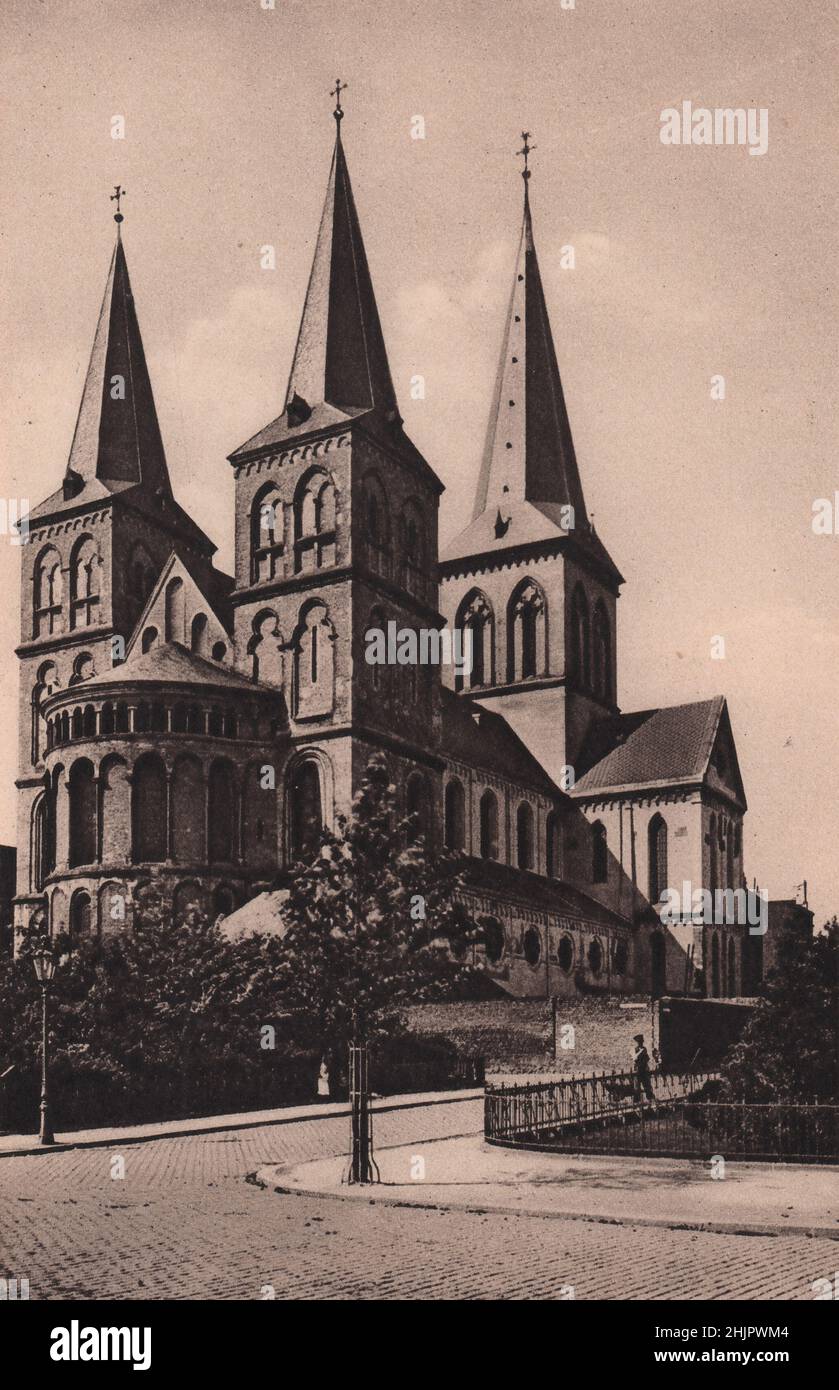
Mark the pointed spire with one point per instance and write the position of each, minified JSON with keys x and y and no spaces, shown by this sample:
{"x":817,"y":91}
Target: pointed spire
{"x":340,"y":358}
{"x":529,"y":453}
{"x":117,"y":437}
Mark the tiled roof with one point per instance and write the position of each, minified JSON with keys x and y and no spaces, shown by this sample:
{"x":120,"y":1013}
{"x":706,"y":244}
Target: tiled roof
{"x":171,"y":664}
{"x":484,"y":739}
{"x":651,"y":747}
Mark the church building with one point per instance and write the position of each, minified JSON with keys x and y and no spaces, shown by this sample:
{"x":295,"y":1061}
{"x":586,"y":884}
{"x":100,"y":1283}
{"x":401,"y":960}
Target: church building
{"x":193,"y":729}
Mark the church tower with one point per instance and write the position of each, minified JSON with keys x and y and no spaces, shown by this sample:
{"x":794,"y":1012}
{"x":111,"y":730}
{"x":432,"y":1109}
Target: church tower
{"x":94,"y":551}
{"x":336,"y":533}
{"x":529,"y":577}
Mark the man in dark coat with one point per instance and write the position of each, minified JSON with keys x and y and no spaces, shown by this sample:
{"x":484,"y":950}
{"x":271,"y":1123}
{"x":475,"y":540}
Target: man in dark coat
{"x":641,"y":1068}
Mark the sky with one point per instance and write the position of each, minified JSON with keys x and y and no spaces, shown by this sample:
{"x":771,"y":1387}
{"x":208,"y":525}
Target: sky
{"x":690,"y":263}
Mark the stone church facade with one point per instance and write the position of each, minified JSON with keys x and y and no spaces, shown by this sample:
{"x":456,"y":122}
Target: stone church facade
{"x":195,"y":729}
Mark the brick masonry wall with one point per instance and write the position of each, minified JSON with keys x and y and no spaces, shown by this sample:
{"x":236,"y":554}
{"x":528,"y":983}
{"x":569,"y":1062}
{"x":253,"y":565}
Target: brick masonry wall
{"x":514,"y":1036}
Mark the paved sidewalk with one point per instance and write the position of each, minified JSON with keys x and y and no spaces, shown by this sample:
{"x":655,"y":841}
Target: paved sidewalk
{"x":467,"y":1175}
{"x":13,"y":1145}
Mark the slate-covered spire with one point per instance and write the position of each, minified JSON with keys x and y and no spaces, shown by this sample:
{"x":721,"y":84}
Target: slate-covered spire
{"x":117,"y":437}
{"x":340,"y":357}
{"x":529,"y":453}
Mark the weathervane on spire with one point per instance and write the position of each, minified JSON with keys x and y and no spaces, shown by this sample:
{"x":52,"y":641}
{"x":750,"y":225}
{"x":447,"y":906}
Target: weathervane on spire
{"x":525,"y":150}
{"x":340,"y":87}
{"x":118,"y":193}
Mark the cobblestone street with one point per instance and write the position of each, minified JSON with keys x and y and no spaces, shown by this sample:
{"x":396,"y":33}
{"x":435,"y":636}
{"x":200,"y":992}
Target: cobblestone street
{"x":184,"y":1223}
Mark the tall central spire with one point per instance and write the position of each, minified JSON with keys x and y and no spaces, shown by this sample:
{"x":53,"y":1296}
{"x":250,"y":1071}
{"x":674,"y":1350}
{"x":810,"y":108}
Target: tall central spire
{"x":340,"y":358}
{"x":529,"y":454}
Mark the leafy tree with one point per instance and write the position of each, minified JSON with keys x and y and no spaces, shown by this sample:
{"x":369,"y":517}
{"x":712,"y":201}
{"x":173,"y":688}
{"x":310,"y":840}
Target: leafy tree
{"x":790,"y":1046}
{"x":369,"y":924}
{"x":162,"y":1018}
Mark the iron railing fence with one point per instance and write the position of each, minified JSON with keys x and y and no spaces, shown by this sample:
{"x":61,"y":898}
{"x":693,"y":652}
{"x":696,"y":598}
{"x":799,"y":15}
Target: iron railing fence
{"x":544,"y":1105}
{"x":607,"y":1115}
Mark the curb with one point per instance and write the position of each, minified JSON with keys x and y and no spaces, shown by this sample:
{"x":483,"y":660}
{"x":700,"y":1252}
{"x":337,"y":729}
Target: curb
{"x":725,"y":1228}
{"x":326,"y":1113}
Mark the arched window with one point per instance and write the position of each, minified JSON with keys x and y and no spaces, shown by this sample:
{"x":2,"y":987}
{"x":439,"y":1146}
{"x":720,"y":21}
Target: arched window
{"x":148,"y":810}
{"x":83,"y":668}
{"x":224,"y":901}
{"x":48,"y":591}
{"x":149,"y":638}
{"x":455,"y":815}
{"x":657,"y":858}
{"x":85,"y":577}
{"x":553,"y":846}
{"x":314,"y":522}
{"x":305,"y":810}
{"x":599,"y":853}
{"x":83,"y":818}
{"x":595,"y":957}
{"x":175,"y":614}
{"x":489,"y":825}
{"x":222,"y":813}
{"x":314,"y":663}
{"x":188,"y":801}
{"x":46,"y":683}
{"x":412,"y":549}
{"x":532,"y":946}
{"x":115,"y":811}
{"x":379,"y":671}
{"x":476,"y":620}
{"x":265,"y":647}
{"x":526,"y":629}
{"x":602,"y":652}
{"x":524,"y":835}
{"x":198,"y":634}
{"x":80,"y":915}
{"x":41,"y":865}
{"x":620,"y":957}
{"x":142,"y":572}
{"x":417,"y":806}
{"x":493,"y":936}
{"x":713,"y":883}
{"x":580,"y":639}
{"x":732,"y":968}
{"x":715,"y":966}
{"x":267,"y":534}
{"x":565,"y":954}
{"x":376,"y":524}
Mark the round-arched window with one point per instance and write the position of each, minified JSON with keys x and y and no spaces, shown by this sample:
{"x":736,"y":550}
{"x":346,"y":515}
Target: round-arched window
{"x":595,"y":957}
{"x":566,"y":954}
{"x":493,"y":939}
{"x":532,"y":946}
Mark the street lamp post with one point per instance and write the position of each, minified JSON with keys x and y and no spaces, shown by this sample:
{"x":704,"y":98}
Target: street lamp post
{"x":44,"y":963}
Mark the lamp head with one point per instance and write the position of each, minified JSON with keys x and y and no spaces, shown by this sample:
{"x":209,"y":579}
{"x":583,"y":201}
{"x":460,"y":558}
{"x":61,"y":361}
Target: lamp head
{"x":44,"y":963}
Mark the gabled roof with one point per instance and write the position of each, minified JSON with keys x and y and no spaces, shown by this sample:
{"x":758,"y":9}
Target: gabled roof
{"x":177,"y":566}
{"x":478,"y":736}
{"x":656,"y":748}
{"x":340,"y":368}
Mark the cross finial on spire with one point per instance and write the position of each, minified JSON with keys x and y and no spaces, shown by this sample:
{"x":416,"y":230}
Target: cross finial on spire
{"x":525,"y":151}
{"x":339,"y":87}
{"x":118,"y":193}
